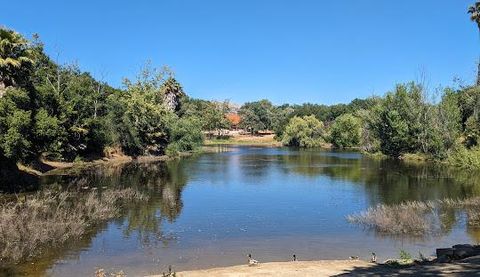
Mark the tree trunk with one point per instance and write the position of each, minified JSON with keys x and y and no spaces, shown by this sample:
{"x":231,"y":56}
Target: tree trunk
{"x":2,"y":89}
{"x":478,"y":74}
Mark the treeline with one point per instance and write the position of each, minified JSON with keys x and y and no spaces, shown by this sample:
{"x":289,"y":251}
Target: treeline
{"x":58,"y":112}
{"x":405,"y":121}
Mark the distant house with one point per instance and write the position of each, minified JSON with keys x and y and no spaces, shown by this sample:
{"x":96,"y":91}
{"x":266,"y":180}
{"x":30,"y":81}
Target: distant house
{"x":234,"y":120}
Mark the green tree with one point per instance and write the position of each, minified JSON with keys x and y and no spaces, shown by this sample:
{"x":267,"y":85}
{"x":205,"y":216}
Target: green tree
{"x":185,"y":135}
{"x":469,"y":104}
{"x":305,"y":131}
{"x":16,"y":59}
{"x":173,"y":94}
{"x":345,"y":131}
{"x":210,"y":113}
{"x":256,"y":116}
{"x":398,"y":120}
{"x":472,"y":131}
{"x":15,"y":125}
{"x":449,"y":120}
{"x":149,"y":117}
{"x":16,"y":63}
{"x":474,"y":12}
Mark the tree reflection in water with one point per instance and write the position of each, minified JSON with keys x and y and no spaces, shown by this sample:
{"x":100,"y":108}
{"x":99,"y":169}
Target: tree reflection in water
{"x":162,"y":181}
{"x":239,"y":172}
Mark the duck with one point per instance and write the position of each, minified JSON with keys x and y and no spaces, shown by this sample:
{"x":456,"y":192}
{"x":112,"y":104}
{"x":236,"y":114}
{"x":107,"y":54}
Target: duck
{"x":353,"y":258}
{"x":374,"y":258}
{"x":294,"y":257}
{"x":251,"y":261}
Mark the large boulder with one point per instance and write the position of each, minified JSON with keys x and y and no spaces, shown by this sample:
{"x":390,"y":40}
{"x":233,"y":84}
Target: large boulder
{"x":461,"y":251}
{"x":444,"y":255}
{"x":448,"y":252}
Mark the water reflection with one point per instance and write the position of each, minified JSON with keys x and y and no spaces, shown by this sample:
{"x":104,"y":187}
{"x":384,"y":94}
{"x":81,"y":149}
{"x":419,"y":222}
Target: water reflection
{"x":220,"y":204}
{"x":386,"y":181}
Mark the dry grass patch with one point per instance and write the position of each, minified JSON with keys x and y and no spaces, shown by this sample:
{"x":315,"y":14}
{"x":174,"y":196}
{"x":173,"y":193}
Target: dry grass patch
{"x":49,"y":219}
{"x":406,"y":218}
{"x":471,"y":207}
{"x":415,"y":217}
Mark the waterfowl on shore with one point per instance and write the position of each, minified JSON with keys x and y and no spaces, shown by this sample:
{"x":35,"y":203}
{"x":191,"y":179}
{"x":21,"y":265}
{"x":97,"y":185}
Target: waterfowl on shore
{"x":251,"y":262}
{"x":353,"y":258}
{"x":294,"y":257}
{"x":374,"y":258}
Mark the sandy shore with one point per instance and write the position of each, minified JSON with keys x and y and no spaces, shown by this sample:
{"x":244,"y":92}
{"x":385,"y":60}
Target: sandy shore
{"x":299,"y":268}
{"x":467,"y":267}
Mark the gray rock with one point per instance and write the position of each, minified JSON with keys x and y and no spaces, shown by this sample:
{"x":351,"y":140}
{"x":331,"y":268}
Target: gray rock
{"x":444,"y":252}
{"x":444,"y":259}
{"x":462,"y":253}
{"x":462,"y":246}
{"x":465,"y":250}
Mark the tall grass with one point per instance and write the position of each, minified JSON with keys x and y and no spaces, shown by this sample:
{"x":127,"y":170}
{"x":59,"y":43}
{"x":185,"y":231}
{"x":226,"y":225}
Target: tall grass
{"x":49,"y":219}
{"x":471,"y":206}
{"x":408,"y":217}
{"x":415,"y":217}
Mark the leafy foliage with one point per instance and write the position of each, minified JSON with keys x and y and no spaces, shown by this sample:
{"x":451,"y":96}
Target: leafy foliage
{"x":305,"y":131}
{"x":257,"y":116}
{"x":186,"y":135}
{"x":345,"y":131}
{"x":59,"y":112}
{"x":16,"y":59}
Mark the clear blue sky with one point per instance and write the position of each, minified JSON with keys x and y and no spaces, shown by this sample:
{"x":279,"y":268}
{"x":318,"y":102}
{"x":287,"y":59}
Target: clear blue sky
{"x":287,"y":51}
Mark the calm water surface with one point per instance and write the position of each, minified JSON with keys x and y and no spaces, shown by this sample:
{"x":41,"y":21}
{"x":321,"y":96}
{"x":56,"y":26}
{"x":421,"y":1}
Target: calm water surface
{"x":212,"y":209}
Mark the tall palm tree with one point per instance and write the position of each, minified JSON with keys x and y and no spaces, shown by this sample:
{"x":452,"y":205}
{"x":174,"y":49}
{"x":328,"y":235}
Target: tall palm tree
{"x":172,"y":93}
{"x":15,"y":57}
{"x":474,"y":12}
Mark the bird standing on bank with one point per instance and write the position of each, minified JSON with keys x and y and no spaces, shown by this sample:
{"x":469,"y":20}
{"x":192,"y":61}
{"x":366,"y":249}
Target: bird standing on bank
{"x":251,"y":261}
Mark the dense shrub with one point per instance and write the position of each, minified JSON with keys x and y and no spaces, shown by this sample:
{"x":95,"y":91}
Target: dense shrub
{"x":465,"y":158}
{"x":345,"y":131}
{"x":186,"y":135}
{"x":305,"y":131}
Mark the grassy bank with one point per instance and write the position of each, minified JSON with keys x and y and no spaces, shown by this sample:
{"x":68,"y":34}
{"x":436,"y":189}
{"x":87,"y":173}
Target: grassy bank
{"x":48,"y":219}
{"x":261,"y":140}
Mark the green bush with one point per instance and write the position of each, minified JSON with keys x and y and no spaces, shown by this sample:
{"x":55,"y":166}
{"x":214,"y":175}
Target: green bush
{"x":185,"y":135}
{"x":404,"y":255}
{"x":305,"y":131}
{"x":345,"y":131}
{"x":465,"y":158}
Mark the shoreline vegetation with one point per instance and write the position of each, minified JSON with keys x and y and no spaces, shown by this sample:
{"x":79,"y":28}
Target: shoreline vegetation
{"x":48,"y":219}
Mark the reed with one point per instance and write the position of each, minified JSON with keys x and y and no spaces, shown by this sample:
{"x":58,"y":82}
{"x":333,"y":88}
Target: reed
{"x":48,"y":219}
{"x":408,"y":217}
{"x":415,"y":217}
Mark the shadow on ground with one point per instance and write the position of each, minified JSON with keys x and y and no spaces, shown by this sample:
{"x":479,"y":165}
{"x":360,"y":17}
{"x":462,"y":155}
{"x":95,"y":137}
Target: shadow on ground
{"x":467,"y":267}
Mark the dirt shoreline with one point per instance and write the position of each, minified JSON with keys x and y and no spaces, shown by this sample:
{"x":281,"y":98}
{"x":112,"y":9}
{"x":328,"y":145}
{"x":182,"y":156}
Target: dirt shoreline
{"x":45,"y":167}
{"x":467,"y":267}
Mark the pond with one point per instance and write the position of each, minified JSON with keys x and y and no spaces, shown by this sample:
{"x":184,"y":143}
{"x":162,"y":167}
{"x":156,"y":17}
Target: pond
{"x":213,"y":209}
